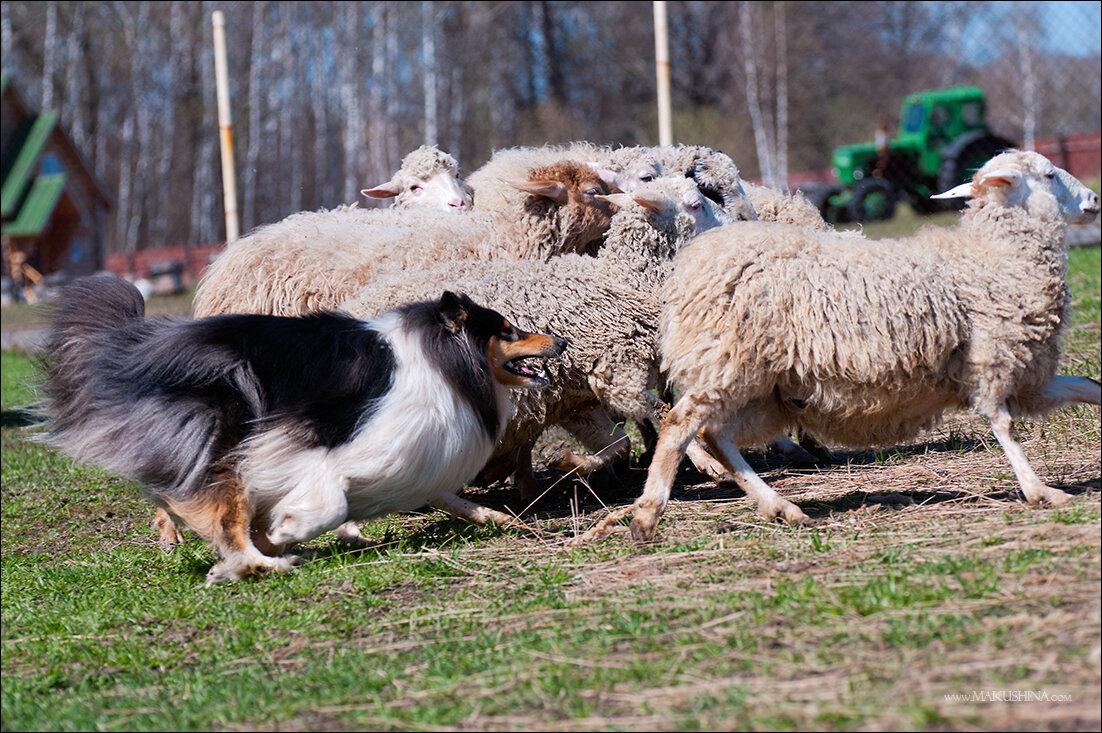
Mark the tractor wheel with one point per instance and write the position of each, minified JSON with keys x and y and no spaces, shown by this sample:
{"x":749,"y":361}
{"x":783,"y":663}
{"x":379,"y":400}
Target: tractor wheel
{"x":873,"y":200}
{"x":822,"y":198}
{"x":962,"y":158}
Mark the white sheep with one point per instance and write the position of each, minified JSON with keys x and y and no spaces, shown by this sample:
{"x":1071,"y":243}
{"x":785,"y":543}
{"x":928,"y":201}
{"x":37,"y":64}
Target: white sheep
{"x":315,"y":260}
{"x":427,"y":179}
{"x":771,"y":327}
{"x":606,"y":307}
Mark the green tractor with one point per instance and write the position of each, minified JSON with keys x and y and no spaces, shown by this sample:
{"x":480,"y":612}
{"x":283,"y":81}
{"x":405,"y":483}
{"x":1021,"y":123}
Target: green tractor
{"x":943,"y":138}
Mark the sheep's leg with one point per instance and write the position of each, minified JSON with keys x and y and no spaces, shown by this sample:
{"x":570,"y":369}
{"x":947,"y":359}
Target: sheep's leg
{"x":524,"y":478}
{"x":169,"y":534}
{"x":678,"y":431}
{"x":474,"y":513}
{"x":599,"y":434}
{"x":705,"y":463}
{"x":1035,"y":491}
{"x":792,"y":451}
{"x":770,"y":504}
{"x":1062,"y":391}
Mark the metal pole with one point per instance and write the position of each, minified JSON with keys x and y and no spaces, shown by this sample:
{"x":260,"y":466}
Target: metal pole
{"x":221,"y":80}
{"x":662,"y":64}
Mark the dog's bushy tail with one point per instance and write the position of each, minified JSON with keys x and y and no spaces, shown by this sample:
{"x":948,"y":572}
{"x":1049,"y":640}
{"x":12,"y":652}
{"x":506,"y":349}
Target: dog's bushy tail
{"x":100,"y":405}
{"x":89,"y":312}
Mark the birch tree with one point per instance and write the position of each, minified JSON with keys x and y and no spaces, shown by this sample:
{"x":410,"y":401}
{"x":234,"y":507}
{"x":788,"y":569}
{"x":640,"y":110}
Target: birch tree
{"x":252,"y":152}
{"x":49,"y":43}
{"x":428,"y":65}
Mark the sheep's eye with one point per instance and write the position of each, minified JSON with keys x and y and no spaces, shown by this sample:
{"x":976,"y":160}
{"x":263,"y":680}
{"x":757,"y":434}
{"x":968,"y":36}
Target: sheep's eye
{"x":646,"y":178}
{"x":694,"y":205}
{"x":415,"y":188}
{"x":1050,"y":175}
{"x":593,"y":191}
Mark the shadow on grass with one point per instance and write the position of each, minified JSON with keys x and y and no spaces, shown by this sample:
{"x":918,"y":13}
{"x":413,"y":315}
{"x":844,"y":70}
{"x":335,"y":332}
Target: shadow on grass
{"x":577,"y":495}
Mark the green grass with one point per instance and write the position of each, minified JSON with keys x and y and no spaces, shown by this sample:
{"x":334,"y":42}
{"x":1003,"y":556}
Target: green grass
{"x":867,"y":618}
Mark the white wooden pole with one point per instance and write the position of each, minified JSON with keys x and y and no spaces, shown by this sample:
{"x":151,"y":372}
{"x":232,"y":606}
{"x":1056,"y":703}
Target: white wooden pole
{"x":221,"y":80}
{"x":662,"y":64}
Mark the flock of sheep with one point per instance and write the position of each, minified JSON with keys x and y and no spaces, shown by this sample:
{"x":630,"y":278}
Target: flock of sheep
{"x":664,"y":269}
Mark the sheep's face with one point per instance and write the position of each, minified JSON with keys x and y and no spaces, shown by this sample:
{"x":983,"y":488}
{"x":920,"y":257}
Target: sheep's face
{"x":441,"y":190}
{"x":573,"y":194}
{"x":674,"y":198}
{"x":1031,"y":181}
{"x":635,"y":176}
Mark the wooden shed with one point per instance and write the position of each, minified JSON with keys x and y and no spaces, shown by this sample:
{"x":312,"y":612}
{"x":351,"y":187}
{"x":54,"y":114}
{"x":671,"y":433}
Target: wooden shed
{"x":53,"y":208}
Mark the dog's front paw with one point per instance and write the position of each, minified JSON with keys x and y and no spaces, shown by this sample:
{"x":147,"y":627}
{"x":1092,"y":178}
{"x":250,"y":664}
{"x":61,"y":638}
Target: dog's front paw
{"x":227,"y":572}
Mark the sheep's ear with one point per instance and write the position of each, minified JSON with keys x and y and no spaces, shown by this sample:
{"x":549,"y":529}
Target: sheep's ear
{"x":1004,"y":177}
{"x":650,"y":200}
{"x":385,"y":191}
{"x":608,"y":176}
{"x":621,"y":200}
{"x":553,"y":190}
{"x":962,"y":191}
{"x":453,"y":310}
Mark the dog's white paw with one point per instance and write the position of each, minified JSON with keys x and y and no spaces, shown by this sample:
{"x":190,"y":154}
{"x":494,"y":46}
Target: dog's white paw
{"x":227,"y":572}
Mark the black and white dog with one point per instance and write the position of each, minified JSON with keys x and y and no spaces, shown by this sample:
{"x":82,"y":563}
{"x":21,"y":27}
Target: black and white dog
{"x":262,"y":431}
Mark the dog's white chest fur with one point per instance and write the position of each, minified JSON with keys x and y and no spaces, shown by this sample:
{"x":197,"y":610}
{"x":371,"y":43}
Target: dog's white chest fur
{"x":423,"y":441}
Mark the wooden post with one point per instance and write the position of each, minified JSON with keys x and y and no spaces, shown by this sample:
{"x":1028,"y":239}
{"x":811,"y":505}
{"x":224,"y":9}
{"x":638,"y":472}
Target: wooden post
{"x":221,"y":80}
{"x":662,"y":64}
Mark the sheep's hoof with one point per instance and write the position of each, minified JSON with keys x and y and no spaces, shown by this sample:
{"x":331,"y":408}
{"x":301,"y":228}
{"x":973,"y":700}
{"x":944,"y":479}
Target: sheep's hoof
{"x":643,"y":526}
{"x":1050,"y":496}
{"x":793,"y":515}
{"x":789,"y":512}
{"x":563,"y":460}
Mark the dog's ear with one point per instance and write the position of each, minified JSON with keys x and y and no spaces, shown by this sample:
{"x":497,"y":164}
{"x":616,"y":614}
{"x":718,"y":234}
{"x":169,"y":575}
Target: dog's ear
{"x":453,"y":310}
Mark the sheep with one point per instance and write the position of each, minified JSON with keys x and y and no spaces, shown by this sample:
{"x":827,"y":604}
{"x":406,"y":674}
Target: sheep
{"x":491,"y":182}
{"x":605,"y":306}
{"x":768,"y":327}
{"x":427,"y":179}
{"x":314,"y":260}
{"x":626,"y":168}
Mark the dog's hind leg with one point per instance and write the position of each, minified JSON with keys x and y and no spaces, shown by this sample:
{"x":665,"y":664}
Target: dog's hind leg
{"x":220,"y":514}
{"x":168,"y":532}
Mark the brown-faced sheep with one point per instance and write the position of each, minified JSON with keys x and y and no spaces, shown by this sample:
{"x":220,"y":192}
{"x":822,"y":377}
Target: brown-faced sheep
{"x":605,"y":306}
{"x":315,"y":260}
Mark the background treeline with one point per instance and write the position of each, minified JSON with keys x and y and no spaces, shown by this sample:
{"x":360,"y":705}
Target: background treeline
{"x":328,"y":96}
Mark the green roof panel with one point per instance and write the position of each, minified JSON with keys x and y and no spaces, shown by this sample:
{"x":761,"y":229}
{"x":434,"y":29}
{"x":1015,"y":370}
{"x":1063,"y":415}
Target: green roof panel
{"x":23,"y":168}
{"x":38,"y":206}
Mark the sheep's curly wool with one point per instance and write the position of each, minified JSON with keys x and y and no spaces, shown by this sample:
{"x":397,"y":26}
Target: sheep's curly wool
{"x":606,"y":307}
{"x":489,"y":181}
{"x":867,"y":342}
{"x":315,"y":260}
{"x":769,"y":327}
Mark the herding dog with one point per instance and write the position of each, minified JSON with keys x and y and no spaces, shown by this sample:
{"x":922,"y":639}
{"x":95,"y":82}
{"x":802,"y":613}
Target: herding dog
{"x":262,"y":431}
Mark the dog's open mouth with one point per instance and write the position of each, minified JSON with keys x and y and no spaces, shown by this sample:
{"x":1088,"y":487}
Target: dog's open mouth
{"x":531,"y":373}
